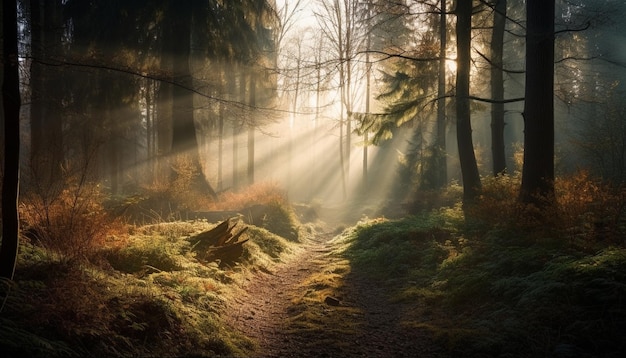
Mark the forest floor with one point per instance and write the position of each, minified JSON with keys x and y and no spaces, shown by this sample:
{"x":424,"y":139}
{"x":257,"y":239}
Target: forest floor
{"x":314,"y":305}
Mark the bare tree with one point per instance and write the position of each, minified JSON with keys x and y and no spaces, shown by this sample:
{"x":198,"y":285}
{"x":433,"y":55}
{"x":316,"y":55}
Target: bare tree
{"x":338,"y":23}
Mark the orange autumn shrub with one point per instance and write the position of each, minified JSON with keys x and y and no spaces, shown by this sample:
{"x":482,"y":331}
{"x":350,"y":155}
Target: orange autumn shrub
{"x":72,"y":223}
{"x":587,"y":210}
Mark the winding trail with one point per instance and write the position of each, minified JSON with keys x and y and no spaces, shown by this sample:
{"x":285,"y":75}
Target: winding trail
{"x":285,"y":312}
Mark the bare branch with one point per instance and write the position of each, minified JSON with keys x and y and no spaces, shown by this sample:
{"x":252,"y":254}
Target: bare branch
{"x":156,"y":77}
{"x":587,"y":25}
{"x":397,"y":55}
{"x":498,"y":67}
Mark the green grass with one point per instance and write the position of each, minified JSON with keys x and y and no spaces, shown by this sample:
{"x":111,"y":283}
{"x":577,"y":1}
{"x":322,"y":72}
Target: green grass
{"x":146,"y":295}
{"x":496,"y":292}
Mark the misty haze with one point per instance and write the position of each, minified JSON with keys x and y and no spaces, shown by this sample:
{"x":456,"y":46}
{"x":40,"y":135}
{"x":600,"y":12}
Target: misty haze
{"x":313,"y":178}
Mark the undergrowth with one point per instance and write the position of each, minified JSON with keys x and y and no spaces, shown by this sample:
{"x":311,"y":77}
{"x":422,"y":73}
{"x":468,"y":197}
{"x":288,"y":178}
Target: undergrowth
{"x":262,"y":204}
{"x":500,"y":283}
{"x":143,"y":293}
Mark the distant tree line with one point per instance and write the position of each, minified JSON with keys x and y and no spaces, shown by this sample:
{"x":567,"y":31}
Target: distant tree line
{"x":150,"y":93}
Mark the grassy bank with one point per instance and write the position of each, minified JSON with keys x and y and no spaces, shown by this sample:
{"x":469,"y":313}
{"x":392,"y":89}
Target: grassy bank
{"x":140,"y":292}
{"x":498,"y":284}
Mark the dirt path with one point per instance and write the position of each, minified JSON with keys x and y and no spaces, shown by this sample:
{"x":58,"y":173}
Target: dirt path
{"x":288,"y":312}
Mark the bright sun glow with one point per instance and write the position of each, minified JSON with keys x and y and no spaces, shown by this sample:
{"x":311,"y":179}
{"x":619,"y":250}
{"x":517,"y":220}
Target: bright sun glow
{"x":451,"y":65}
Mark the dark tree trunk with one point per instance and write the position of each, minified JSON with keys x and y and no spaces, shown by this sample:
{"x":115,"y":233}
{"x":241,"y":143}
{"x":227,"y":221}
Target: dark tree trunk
{"x":368,"y":88}
{"x":251,"y":124}
{"x":164,"y":112}
{"x":238,"y":124}
{"x":467,"y":158}
{"x":538,"y":170}
{"x":220,"y":127}
{"x":184,"y":131}
{"x":11,"y":104}
{"x":440,"y":144}
{"x":46,"y":124}
{"x":184,"y":141}
{"x":497,"y":89}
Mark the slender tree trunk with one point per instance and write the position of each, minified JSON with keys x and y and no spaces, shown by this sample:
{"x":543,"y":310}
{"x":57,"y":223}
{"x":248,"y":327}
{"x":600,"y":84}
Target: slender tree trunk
{"x":497,"y":89}
{"x":46,"y":123}
{"x":538,"y":170}
{"x":251,"y":124}
{"x":220,"y":130}
{"x":467,"y":158}
{"x":318,"y":95}
{"x":150,"y":128}
{"x":341,"y":50}
{"x":238,"y":126}
{"x":235,"y":175}
{"x":11,"y":104}
{"x":164,"y":123}
{"x":440,"y":146}
{"x":342,"y":159}
{"x":367,"y":110}
{"x":113,"y":151}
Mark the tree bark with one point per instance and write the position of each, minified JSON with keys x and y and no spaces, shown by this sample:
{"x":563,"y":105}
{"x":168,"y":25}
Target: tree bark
{"x":467,"y":158}
{"x":538,"y":170}
{"x":45,"y":118}
{"x":11,"y":105}
{"x":251,"y":124}
{"x":220,"y":127}
{"x":497,"y":89}
{"x":184,"y":141}
{"x":440,"y":145}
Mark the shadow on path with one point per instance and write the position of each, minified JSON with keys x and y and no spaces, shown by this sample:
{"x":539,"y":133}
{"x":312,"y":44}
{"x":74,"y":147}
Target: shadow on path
{"x":288,"y":312}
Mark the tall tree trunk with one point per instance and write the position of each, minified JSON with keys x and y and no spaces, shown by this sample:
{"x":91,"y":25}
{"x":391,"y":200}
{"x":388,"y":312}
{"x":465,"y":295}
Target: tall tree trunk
{"x":497,"y":89}
{"x":114,"y":147}
{"x":11,"y":104}
{"x":46,"y":123}
{"x":238,"y":124}
{"x":467,"y":158}
{"x":368,"y":79}
{"x":164,"y":121}
{"x":220,"y":128}
{"x":251,"y":124}
{"x":184,"y":141}
{"x":342,"y":159}
{"x":150,"y":129}
{"x":441,"y":166}
{"x":538,"y":170}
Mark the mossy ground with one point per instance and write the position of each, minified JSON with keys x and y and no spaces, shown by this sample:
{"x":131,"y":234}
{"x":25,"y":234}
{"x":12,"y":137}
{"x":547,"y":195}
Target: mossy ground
{"x":480,"y":287}
{"x":492,"y":280}
{"x":144,"y":295}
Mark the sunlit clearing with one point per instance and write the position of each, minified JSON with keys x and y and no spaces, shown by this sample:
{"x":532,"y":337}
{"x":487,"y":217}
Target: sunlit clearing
{"x":301,"y":155}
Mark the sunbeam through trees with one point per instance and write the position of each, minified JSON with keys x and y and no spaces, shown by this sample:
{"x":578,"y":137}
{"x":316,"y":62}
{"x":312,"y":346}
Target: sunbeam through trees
{"x":432,"y":178}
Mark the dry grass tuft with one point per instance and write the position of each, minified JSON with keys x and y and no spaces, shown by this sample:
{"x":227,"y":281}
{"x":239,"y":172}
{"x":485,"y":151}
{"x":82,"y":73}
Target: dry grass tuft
{"x":262,"y":193}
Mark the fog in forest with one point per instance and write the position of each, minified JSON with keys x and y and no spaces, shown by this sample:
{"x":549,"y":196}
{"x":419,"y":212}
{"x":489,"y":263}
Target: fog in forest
{"x":433,"y":178}
{"x":328,"y":77}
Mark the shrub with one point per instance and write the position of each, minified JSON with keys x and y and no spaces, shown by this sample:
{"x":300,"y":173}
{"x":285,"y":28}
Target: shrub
{"x":590,"y":210}
{"x":587,"y":209}
{"x":72,"y":223}
{"x":261,"y":193}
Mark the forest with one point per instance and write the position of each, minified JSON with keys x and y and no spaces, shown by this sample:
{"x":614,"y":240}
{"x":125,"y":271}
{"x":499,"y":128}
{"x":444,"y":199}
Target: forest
{"x":313,"y":178}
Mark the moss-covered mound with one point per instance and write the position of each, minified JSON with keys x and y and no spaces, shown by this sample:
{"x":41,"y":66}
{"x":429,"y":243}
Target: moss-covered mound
{"x":498,"y":292}
{"x":144,"y":295}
